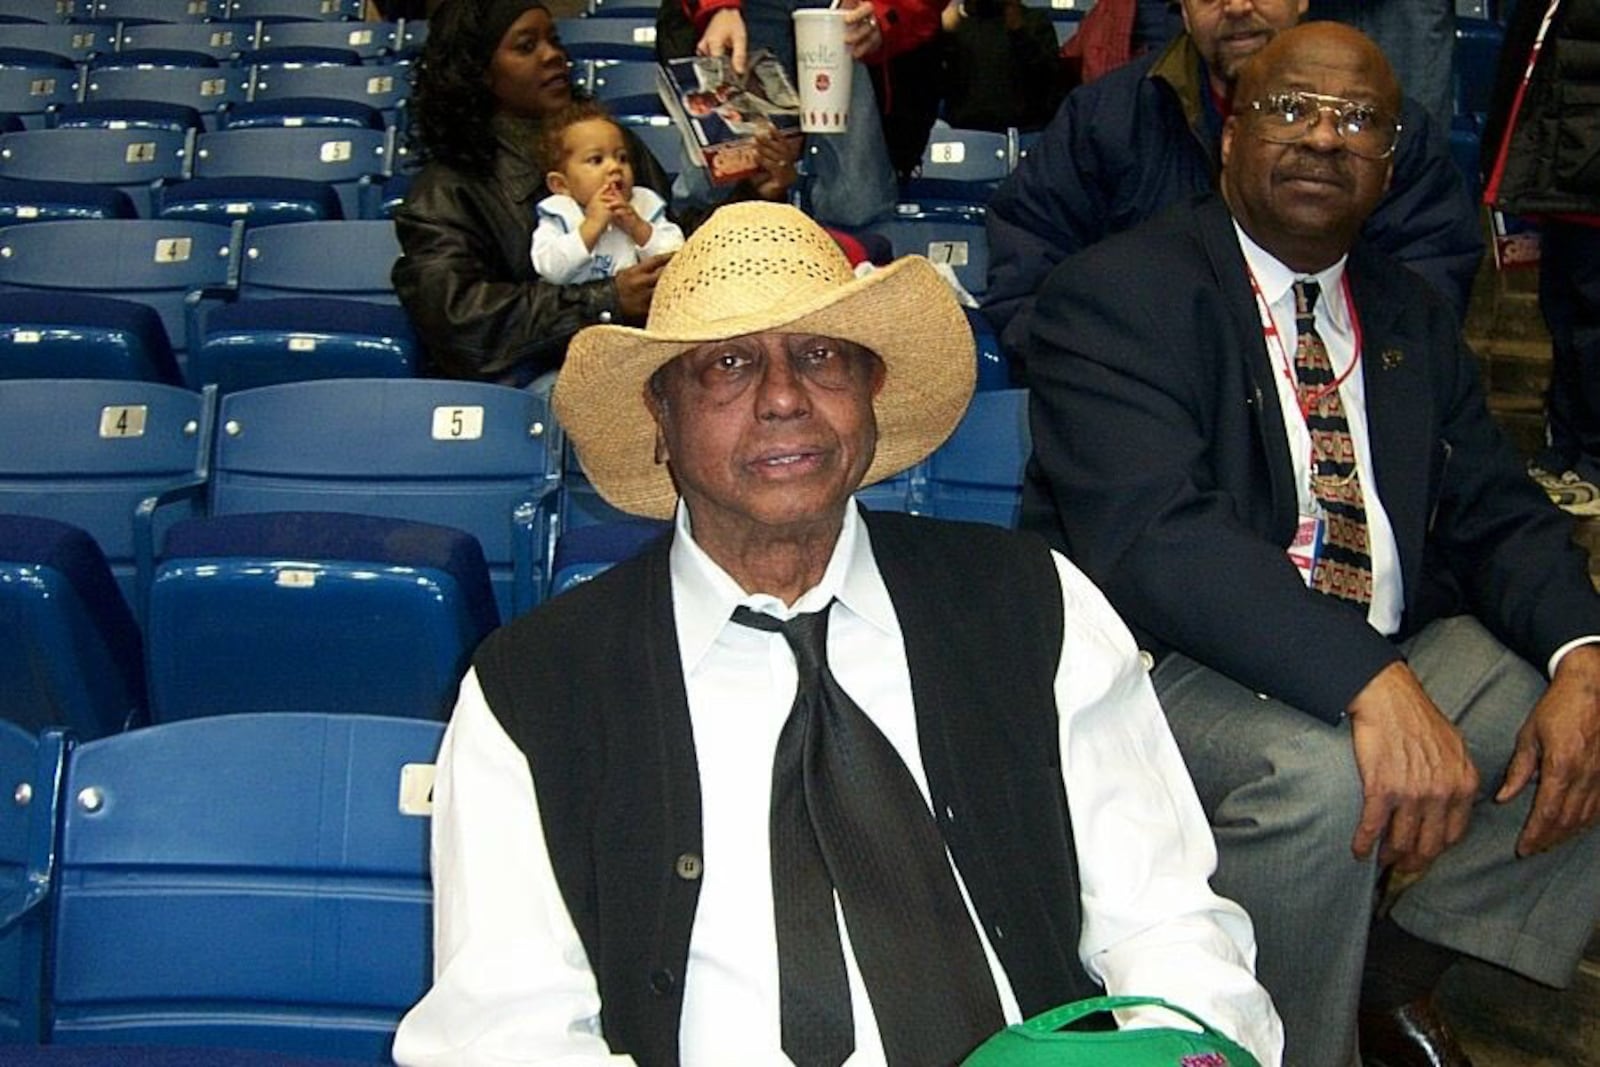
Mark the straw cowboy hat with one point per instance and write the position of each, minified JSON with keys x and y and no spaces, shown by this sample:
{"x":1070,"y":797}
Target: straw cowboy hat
{"x":755,"y":267}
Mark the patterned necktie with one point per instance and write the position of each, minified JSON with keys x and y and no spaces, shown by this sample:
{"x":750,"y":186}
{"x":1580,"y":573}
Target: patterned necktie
{"x":847,"y":817}
{"x":1344,"y":569}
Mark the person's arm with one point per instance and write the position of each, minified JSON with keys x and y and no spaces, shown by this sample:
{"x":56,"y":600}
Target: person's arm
{"x":1151,"y":924}
{"x":511,"y":982}
{"x":559,"y":253}
{"x":665,"y":235}
{"x":1427,"y":219}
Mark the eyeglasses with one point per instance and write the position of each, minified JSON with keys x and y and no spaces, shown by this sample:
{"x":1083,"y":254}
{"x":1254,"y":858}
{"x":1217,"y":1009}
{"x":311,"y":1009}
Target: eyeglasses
{"x":1287,"y":118}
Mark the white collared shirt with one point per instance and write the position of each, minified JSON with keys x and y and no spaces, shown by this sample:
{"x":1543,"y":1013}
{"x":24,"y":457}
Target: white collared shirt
{"x":1336,"y":325}
{"x":512,"y":984}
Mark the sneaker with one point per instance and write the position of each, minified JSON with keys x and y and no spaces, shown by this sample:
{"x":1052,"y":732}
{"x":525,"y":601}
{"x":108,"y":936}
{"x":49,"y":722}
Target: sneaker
{"x":1570,"y":491}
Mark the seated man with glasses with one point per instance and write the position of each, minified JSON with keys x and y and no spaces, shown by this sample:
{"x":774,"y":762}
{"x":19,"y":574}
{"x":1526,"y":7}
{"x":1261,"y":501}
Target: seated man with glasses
{"x":1266,"y":442}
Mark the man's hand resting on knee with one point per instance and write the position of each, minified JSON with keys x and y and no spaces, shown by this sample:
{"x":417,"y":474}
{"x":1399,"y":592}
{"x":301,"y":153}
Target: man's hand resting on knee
{"x":1417,"y":779}
{"x":1560,"y":743}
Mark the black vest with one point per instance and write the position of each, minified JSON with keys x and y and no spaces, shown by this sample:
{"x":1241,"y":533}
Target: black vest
{"x":590,"y":687}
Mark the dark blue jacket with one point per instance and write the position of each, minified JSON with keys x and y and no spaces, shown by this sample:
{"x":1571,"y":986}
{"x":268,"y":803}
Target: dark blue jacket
{"x":1147,"y":136}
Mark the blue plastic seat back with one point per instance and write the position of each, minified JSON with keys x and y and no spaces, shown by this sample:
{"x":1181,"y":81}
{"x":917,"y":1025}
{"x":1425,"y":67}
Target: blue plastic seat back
{"x":128,"y":115}
{"x":977,"y":474}
{"x":318,"y":111}
{"x":265,"y":342}
{"x":44,"y":336}
{"x":410,"y":37}
{"x":175,"y":267}
{"x":629,"y":9}
{"x":24,"y":201}
{"x":384,"y":86}
{"x":70,"y":650}
{"x":223,"y":41}
{"x":584,"y":552}
{"x":960,"y":169}
{"x":369,"y":40}
{"x":296,"y":10}
{"x":348,"y":159}
{"x":32,"y":92}
{"x":207,"y":90}
{"x":90,"y":453}
{"x":661,"y":137}
{"x":73,"y":41}
{"x":251,"y":201}
{"x":994,"y":370}
{"x":246,"y":881}
{"x":41,"y":10}
{"x":31,"y":768}
{"x":609,"y":38}
{"x":314,"y":611}
{"x":958,"y":242}
{"x":350,"y":259}
{"x":151,"y":10}
{"x":462,"y":454}
{"x":626,"y":86}
{"x":136,"y":161}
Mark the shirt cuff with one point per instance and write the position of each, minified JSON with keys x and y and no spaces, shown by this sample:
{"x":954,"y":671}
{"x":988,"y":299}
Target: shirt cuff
{"x":1558,"y":654}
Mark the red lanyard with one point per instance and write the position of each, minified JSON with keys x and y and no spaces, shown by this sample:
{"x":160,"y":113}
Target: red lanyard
{"x":1269,"y":328}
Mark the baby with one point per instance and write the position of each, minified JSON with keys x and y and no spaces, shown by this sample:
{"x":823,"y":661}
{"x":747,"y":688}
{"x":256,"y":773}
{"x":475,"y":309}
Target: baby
{"x":596,"y":222}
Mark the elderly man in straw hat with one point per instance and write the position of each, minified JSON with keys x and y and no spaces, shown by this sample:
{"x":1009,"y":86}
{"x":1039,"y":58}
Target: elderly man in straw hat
{"x":801,"y":783}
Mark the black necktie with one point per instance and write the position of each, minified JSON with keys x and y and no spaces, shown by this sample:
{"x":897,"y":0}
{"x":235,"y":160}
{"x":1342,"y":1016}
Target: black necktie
{"x":1344,"y":569}
{"x":848,"y":817}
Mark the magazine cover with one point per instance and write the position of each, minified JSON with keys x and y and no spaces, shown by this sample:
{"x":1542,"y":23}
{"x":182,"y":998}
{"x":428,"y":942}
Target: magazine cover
{"x":719,"y":111}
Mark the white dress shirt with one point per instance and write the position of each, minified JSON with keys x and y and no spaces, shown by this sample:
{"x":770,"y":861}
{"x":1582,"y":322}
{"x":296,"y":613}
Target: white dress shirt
{"x":561,"y":258}
{"x":512,"y":984}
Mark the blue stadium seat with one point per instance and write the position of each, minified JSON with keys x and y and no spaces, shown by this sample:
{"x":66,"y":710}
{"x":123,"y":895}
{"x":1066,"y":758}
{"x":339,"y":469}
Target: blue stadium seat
{"x":207,"y":90}
{"x":609,"y":38}
{"x":251,"y":201}
{"x":126,"y":115}
{"x":961,"y":243}
{"x":222,"y":41}
{"x":977,"y":474}
{"x":381,"y":201}
{"x":348,"y":260}
{"x":410,"y":37}
{"x":462,"y":454}
{"x":266,"y":342}
{"x":245,"y":881}
{"x":625,"y":86}
{"x":348,"y":159}
{"x":384,"y":86}
{"x":176,"y":267}
{"x":32,"y":92}
{"x":314,"y":611}
{"x":121,"y":460}
{"x":41,"y":10}
{"x":296,"y":10}
{"x":136,"y":161}
{"x":70,"y":650}
{"x":1477,"y":57}
{"x":31,"y":769}
{"x":151,"y":10}
{"x":629,"y":9}
{"x":75,"y":42}
{"x":960,"y":170}
{"x":994,"y":370}
{"x":43,"y":336}
{"x":368,"y":40}
{"x":661,"y":137}
{"x":299,"y":111}
{"x":43,"y":201}
{"x":586,"y":551}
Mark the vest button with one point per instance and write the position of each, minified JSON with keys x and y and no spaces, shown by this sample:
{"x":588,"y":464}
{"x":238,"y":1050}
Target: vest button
{"x":1147,"y":661}
{"x":688,"y":866}
{"x":663,"y":982}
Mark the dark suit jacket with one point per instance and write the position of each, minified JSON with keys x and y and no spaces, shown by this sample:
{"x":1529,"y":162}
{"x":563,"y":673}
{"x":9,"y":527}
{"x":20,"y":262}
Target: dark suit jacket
{"x":1161,"y":465}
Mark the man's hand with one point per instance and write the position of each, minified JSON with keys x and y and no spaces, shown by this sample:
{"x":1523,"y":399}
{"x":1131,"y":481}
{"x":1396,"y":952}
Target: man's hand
{"x":1417,"y":781}
{"x":862,"y":33}
{"x":777,"y":155}
{"x":637,"y":284}
{"x":1560,"y":743}
{"x":725,"y":35}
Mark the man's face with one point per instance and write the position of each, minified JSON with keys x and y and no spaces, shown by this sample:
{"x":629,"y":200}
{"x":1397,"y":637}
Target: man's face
{"x":767,"y":434}
{"x":1228,"y":32}
{"x":1306,"y":201}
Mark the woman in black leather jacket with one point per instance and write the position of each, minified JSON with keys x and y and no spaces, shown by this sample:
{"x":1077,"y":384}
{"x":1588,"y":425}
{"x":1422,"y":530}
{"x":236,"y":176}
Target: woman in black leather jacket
{"x":490,"y":72}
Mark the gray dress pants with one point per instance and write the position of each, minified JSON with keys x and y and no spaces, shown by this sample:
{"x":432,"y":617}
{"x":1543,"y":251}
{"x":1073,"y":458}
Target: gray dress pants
{"x":1283,"y":795}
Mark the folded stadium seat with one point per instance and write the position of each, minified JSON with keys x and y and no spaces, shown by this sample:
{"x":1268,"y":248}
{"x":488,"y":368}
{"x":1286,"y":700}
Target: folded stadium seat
{"x":245,"y":882}
{"x":70,"y":651}
{"x":176,"y":267}
{"x":43,"y":336}
{"x":466,"y":454}
{"x":370,"y":41}
{"x":628,"y":9}
{"x":126,"y":11}
{"x":348,"y":159}
{"x":994,"y":370}
{"x":661,"y":137}
{"x":119,"y":459}
{"x":587,"y":551}
{"x":977,"y":474}
{"x":296,"y":10}
{"x":350,"y":259}
{"x":959,"y":172}
{"x":608,"y":38}
{"x":127,"y":115}
{"x":384,"y":86}
{"x":959,"y":242}
{"x":314,"y":611}
{"x":40,"y":201}
{"x":31,"y":90}
{"x":222,"y":41}
{"x":626,"y":86}
{"x":252,"y":201}
{"x":75,"y":42}
{"x":265,"y":342}
{"x":42,"y":10}
{"x":380,"y":201}
{"x":208,"y":90}
{"x":297,"y":111}
{"x":31,"y":767}
{"x":136,"y":161}
{"x":304,"y":55}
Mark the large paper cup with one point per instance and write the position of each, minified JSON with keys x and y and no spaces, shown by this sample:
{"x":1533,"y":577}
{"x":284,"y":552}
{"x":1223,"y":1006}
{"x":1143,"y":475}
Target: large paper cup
{"x":822,"y":64}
